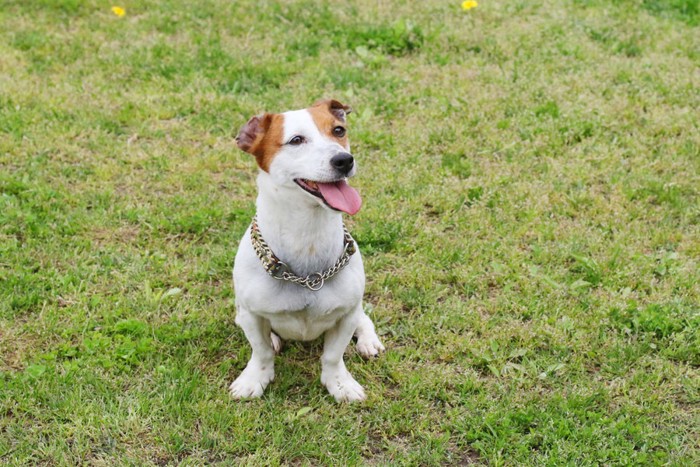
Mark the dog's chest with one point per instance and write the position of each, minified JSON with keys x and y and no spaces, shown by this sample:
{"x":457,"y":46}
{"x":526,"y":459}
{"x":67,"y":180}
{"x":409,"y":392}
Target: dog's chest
{"x":305,"y":324}
{"x":295,"y":312}
{"x":300,"y":314}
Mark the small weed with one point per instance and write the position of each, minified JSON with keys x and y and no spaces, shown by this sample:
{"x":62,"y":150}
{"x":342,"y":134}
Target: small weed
{"x":399,"y":38}
{"x":458,"y":164}
{"x":684,"y":10}
{"x":550,"y":109}
{"x":380,"y":237}
{"x":589,"y":268}
{"x":660,"y":321}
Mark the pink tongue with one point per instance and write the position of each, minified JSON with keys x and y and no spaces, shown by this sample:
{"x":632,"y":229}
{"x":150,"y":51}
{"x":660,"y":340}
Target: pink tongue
{"x":341,"y":196}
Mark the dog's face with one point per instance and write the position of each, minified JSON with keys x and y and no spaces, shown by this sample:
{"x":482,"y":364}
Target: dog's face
{"x":308,"y":150}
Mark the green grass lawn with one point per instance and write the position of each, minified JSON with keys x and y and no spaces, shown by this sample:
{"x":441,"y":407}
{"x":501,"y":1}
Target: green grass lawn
{"x":531,"y":230}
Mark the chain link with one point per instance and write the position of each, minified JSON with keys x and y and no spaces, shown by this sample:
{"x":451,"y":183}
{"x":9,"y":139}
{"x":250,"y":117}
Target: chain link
{"x":278,"y":269}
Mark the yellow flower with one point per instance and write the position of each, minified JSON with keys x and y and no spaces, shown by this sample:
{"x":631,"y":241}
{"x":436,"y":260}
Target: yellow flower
{"x":469,"y":4}
{"x":119,"y":11}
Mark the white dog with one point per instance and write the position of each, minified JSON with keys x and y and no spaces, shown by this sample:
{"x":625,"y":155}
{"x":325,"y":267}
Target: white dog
{"x":298,"y":272}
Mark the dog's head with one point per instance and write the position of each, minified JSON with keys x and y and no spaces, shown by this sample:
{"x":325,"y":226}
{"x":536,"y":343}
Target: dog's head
{"x":307,"y":149}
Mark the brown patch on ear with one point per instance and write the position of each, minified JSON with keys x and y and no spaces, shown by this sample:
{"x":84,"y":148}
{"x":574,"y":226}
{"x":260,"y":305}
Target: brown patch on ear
{"x":338,"y":109}
{"x":328,"y":114}
{"x":262,"y":137}
{"x":249,"y":133}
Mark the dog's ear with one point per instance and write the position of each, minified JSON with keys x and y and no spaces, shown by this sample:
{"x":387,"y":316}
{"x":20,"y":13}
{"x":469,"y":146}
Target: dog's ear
{"x":338,"y":109}
{"x":252,"y":131}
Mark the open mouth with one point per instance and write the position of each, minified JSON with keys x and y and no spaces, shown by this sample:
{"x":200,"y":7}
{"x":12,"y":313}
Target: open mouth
{"x":309,"y":186}
{"x":337,"y":195}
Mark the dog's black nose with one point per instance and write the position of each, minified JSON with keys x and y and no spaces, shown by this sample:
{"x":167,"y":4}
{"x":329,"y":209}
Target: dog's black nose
{"x":343,"y":162}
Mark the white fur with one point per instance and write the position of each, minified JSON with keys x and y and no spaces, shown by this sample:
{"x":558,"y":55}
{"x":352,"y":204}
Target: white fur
{"x":308,"y":236}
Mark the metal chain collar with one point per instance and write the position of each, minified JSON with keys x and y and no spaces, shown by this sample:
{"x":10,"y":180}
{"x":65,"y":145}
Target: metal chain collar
{"x":281,"y":271}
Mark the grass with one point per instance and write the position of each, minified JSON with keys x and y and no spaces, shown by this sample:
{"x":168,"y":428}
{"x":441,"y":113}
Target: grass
{"x":530,"y":231}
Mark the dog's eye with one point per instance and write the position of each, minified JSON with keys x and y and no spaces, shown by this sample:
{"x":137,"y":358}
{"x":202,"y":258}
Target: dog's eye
{"x":339,"y":131}
{"x":297,"y":140}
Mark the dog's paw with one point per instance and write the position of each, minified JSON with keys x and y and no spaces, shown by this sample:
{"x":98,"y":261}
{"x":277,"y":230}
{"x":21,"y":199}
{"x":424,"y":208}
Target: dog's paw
{"x":369,"y":345}
{"x":277,"y":343}
{"x":343,"y":386}
{"x":251,"y":383}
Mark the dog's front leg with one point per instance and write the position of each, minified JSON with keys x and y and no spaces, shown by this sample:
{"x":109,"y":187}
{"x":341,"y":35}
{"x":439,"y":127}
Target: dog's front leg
{"x":260,"y":369}
{"x":334,"y":374}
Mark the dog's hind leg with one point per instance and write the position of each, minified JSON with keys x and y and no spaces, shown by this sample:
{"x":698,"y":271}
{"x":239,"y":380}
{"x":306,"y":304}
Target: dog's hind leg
{"x":277,"y":343}
{"x":260,"y":369}
{"x":368,"y":343}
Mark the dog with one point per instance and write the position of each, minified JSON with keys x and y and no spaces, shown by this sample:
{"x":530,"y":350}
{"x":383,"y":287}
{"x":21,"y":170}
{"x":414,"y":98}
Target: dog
{"x":298,"y":273}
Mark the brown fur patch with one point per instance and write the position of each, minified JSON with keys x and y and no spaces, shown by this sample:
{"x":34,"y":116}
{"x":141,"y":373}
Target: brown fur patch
{"x":268,"y":131}
{"x":325,"y":120}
